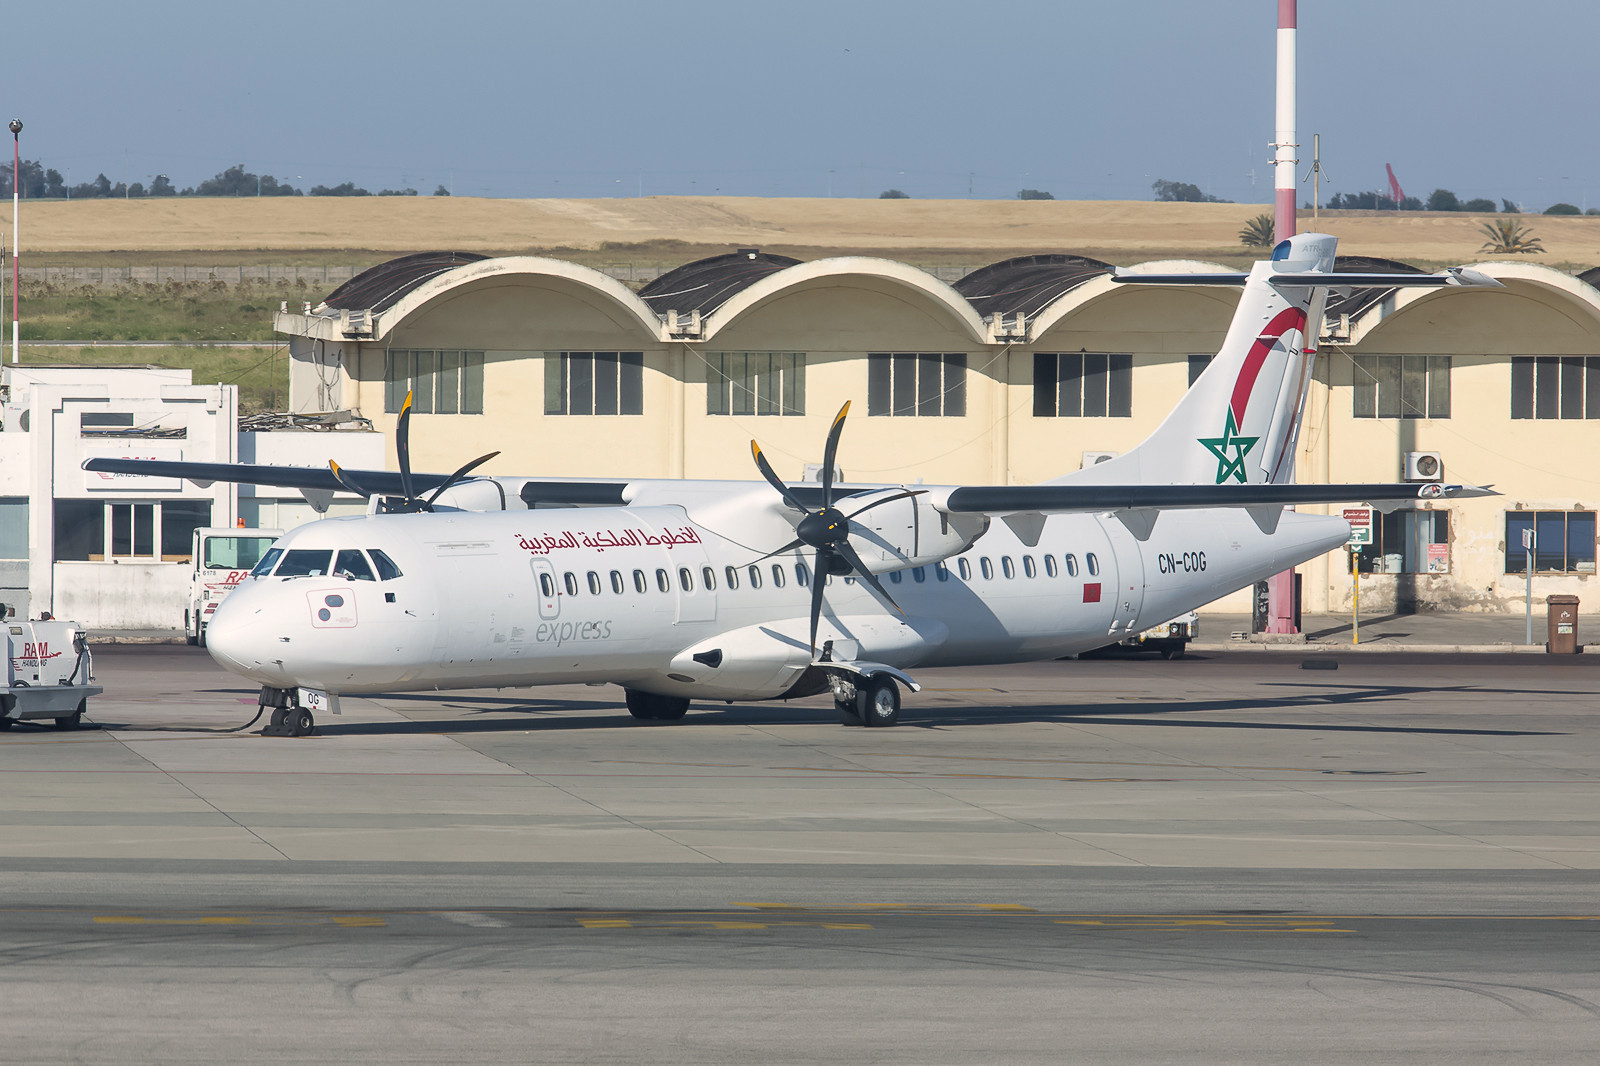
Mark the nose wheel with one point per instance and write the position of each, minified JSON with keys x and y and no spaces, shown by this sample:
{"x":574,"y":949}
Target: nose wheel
{"x":287,"y":720}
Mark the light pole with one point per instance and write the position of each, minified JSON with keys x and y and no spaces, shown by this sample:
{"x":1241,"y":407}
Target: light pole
{"x":16,"y":273}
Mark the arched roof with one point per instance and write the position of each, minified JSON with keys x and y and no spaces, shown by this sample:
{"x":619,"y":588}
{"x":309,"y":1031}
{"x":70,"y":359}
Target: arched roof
{"x":1027,"y":283}
{"x":707,"y":284}
{"x":379,"y":288}
{"x":1572,"y":291}
{"x":916,"y":283}
{"x":520,"y":267}
{"x":1098,"y":286}
{"x":1358,"y":300}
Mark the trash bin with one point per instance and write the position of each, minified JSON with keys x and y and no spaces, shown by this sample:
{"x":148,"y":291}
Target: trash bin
{"x":1562,"y":617}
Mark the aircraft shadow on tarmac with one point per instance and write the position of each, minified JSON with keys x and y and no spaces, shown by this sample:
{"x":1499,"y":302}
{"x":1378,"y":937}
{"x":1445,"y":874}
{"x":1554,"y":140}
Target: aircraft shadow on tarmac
{"x":498,"y":714}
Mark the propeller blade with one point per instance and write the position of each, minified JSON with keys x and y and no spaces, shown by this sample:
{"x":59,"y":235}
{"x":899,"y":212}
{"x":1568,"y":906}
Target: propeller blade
{"x":791,"y":546}
{"x":773,"y":480}
{"x":850,"y":556}
{"x":402,"y":447}
{"x":349,"y":485}
{"x":829,"y":453}
{"x":819,"y":579}
{"x":887,"y":499}
{"x":459,"y":474}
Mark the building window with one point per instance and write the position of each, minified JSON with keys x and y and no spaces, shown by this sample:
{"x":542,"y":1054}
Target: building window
{"x":1197,"y":366}
{"x":917,"y":384}
{"x":96,"y":530}
{"x":1082,"y":385}
{"x":593,"y":383}
{"x":756,"y":383}
{"x":1402,"y":386}
{"x":1563,"y":542}
{"x":440,"y":382}
{"x":13,"y":527}
{"x":1408,"y":542}
{"x":1551,"y":386}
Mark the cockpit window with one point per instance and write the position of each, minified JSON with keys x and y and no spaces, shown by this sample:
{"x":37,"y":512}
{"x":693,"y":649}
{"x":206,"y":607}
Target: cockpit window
{"x":387,"y":571}
{"x":268,"y":561}
{"x":353,"y":565}
{"x":305,"y":562}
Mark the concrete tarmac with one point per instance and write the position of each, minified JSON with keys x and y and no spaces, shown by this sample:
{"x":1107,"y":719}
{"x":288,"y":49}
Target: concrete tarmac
{"x":1225,"y":858}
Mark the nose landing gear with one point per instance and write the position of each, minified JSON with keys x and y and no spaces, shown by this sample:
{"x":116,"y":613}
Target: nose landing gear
{"x":288,"y":719}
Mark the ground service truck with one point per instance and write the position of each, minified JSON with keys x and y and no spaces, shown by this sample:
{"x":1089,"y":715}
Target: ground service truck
{"x":223,"y":557}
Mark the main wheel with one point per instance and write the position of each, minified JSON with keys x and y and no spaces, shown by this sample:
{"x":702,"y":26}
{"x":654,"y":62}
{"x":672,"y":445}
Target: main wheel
{"x":647,"y":706}
{"x":846,"y":710}
{"x":71,"y":721}
{"x":302,"y":722}
{"x":878,"y":702}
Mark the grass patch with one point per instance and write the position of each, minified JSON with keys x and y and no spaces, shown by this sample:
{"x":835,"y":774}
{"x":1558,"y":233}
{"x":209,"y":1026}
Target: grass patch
{"x":191,"y":311}
{"x":262,"y":373}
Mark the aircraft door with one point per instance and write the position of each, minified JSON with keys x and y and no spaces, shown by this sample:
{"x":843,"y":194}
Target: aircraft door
{"x":695,"y":582}
{"x":547,"y":588}
{"x":1124,"y":577}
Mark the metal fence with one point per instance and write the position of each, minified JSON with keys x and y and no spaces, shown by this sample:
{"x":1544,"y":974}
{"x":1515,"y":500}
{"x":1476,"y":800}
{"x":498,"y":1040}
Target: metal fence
{"x":324,"y":278}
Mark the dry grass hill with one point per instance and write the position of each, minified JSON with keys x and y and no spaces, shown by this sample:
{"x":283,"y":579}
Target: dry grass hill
{"x":669,"y":229}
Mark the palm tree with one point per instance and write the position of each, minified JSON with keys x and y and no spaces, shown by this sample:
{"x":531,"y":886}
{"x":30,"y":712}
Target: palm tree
{"x":1507,"y":236}
{"x":1257,"y":233}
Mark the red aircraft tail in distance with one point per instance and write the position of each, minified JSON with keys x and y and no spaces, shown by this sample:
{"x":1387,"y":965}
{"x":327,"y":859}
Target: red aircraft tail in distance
{"x":1396,"y":193}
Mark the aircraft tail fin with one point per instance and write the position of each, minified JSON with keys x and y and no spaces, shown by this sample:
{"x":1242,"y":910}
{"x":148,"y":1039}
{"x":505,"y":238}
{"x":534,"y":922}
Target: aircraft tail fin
{"x":1240,"y":421}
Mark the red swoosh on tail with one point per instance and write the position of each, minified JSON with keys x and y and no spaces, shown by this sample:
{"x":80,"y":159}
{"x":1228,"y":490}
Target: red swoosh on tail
{"x":1290,"y":318}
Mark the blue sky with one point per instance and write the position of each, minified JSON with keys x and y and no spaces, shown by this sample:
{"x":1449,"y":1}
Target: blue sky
{"x":1086,"y":100}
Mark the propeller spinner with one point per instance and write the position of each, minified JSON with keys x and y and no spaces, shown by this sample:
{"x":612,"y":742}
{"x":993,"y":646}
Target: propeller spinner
{"x":410,"y":502}
{"x":827,"y":530}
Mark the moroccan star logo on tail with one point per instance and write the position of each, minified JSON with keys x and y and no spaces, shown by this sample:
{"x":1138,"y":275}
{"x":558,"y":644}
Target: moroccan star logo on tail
{"x":1230,"y":450}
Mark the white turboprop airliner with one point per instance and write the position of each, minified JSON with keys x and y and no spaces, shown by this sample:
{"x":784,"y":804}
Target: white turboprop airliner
{"x":728,"y":590}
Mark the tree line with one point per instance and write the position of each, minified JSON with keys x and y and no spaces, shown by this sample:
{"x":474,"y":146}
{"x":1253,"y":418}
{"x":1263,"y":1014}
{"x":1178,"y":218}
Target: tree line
{"x":38,"y":182}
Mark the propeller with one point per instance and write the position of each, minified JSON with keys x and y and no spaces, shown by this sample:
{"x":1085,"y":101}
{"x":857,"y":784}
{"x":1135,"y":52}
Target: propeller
{"x":827,"y":530}
{"x":409,"y":502}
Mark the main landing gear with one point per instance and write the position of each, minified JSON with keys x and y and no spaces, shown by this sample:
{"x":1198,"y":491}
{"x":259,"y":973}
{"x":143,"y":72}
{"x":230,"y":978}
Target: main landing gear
{"x":289,"y":719}
{"x":647,"y":706}
{"x":875,"y":702}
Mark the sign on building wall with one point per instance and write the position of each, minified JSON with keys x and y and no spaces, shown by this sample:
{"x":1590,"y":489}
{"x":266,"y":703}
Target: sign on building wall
{"x":1360,"y":519}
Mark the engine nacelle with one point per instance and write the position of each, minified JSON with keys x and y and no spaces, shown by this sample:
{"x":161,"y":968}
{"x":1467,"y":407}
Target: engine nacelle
{"x":908,"y":532}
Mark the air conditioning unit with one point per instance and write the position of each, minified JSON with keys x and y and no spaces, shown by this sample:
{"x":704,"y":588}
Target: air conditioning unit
{"x":1424,"y":466}
{"x":1096,"y":458}
{"x":814,"y":472}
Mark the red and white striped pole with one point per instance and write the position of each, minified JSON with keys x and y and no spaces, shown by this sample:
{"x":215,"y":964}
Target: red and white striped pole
{"x":1280,"y":587}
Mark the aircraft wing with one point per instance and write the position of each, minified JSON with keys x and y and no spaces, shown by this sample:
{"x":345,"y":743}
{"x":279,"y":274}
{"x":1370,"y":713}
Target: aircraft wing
{"x":1060,"y":499}
{"x":315,"y":478}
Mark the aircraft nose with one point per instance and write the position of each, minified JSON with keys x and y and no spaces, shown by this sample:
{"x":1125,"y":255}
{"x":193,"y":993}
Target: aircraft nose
{"x":229,"y":636}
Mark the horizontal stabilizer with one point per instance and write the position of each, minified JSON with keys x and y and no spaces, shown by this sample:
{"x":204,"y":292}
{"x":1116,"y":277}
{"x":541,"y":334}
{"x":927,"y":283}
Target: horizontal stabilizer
{"x":1069,"y":498}
{"x":1456,"y":277}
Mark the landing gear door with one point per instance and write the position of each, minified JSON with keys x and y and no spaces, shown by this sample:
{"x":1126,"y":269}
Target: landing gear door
{"x":547,"y":588}
{"x":1123,"y":574}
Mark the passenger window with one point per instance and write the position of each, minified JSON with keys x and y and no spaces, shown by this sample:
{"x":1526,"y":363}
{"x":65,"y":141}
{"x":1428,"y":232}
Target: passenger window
{"x":1072,"y":566}
{"x":641,"y":584}
{"x":1007,"y":567}
{"x":1028,"y":569}
{"x":387,"y":571}
{"x":894,"y":576}
{"x":709,"y":576}
{"x":1094,"y":564}
{"x":616,"y":582}
{"x":987,"y":567}
{"x":777,"y":574}
{"x":755,"y":576}
{"x":685,"y":579}
{"x":663,"y":581}
{"x":732,"y":574}
{"x":919,"y":575}
{"x":547,"y":586}
{"x":353,"y":565}
{"x":1049,"y":566}
{"x":966,"y":569}
{"x":268,"y":561}
{"x":570,"y":580}
{"x":941,"y":571}
{"x":802,"y":575}
{"x":305,"y":562}
{"x":594,"y":583}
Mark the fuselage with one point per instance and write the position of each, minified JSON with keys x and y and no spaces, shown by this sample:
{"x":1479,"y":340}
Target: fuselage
{"x":648,"y":598}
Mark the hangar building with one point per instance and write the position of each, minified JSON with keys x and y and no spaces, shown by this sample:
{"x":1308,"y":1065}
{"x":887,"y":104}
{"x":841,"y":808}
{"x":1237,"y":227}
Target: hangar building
{"x":1019,"y":372}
